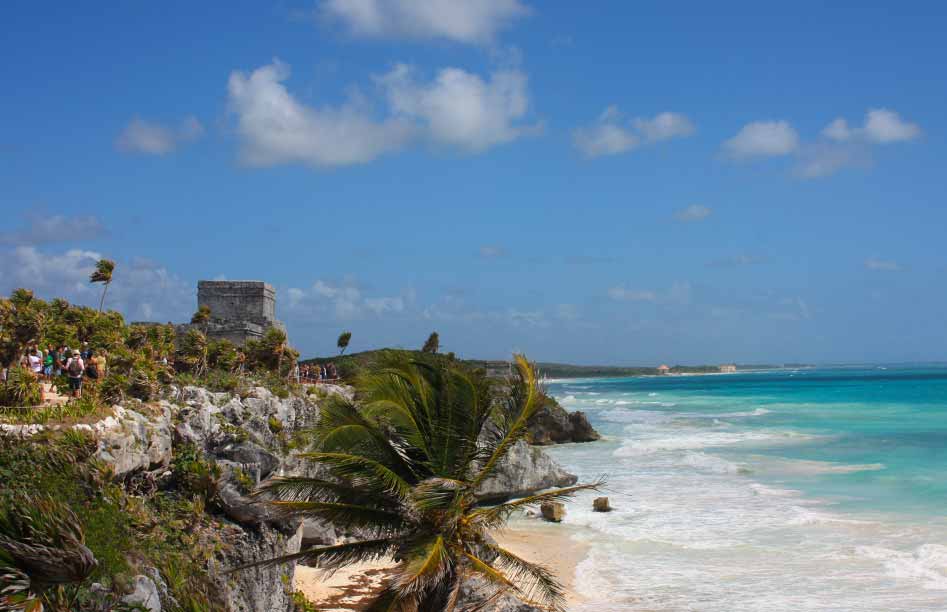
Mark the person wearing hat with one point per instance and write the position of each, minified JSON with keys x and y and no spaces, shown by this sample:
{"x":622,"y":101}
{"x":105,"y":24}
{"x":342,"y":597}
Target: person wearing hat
{"x":75,"y":368}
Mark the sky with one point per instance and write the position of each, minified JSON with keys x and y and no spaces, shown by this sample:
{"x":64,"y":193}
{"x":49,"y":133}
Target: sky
{"x":616,"y":183}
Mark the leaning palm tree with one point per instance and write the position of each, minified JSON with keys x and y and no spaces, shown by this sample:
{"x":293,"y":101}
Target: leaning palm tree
{"x":404,"y":469}
{"x":42,"y":551}
{"x":103,"y":274}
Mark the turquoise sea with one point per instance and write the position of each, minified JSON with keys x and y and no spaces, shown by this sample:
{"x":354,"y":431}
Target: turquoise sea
{"x":812,"y":489}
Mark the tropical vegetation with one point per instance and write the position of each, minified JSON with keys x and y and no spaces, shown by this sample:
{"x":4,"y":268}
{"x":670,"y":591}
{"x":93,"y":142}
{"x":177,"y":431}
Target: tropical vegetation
{"x":404,"y":465}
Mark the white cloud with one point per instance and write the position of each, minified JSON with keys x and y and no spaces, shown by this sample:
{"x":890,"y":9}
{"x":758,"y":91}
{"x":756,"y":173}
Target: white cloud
{"x":459,"y":108}
{"x":276,"y":128}
{"x":664,"y":126}
{"x":737,"y":261}
{"x":882,"y":126}
{"x":624,"y":294}
{"x":826,"y":158}
{"x":762,"y":139}
{"x":882,"y":265}
{"x":838,"y":130}
{"x":492,"y":251}
{"x":344,"y":301}
{"x":604,"y":139}
{"x":43,"y":229}
{"x":141,"y":289}
{"x":677,"y":293}
{"x":151,"y":138}
{"x":465,"y":21}
{"x":694,"y":212}
{"x":610,"y":135}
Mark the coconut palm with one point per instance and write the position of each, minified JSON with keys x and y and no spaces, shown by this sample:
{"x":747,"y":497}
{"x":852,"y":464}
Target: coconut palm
{"x":432,"y":344}
{"x":42,"y":549}
{"x":343,"y":341}
{"x":103,"y":274}
{"x":403,"y":472}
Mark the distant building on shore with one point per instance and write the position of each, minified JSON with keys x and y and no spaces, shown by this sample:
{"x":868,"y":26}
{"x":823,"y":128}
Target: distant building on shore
{"x":663,"y":370}
{"x":728,"y":368}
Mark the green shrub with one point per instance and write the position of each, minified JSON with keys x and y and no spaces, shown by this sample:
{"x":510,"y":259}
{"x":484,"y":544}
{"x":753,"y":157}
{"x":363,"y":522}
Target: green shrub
{"x":22,"y":389}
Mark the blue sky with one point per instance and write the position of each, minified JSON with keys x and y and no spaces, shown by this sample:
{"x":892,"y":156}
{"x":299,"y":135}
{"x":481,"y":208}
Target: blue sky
{"x":610,"y":184}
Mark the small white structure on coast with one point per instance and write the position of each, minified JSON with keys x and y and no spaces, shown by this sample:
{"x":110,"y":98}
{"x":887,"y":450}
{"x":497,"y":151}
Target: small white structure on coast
{"x":664,"y":370}
{"x":728,"y":368}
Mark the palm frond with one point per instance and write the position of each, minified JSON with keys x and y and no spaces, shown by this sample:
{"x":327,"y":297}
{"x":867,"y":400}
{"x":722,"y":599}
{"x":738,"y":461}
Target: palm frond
{"x":495,"y":516}
{"x":426,"y":565}
{"x":515,"y":430}
{"x":346,"y":516}
{"x":437,"y":493}
{"x":535,"y":581}
{"x":301,"y":488}
{"x":331,"y":558}
{"x":349,"y":466}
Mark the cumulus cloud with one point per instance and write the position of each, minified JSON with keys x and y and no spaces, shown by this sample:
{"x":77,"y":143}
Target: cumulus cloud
{"x":461,"y":109}
{"x":611,"y":135}
{"x":142,"y":289}
{"x":492,"y":251}
{"x":664,"y":126}
{"x":344,"y":300}
{"x":152,"y":138}
{"x":45,"y":229}
{"x":882,"y":265}
{"x":464,"y":21}
{"x":881,"y":126}
{"x":694,"y":212}
{"x":276,"y":128}
{"x":826,"y":158}
{"x":843,"y":146}
{"x":762,"y":139}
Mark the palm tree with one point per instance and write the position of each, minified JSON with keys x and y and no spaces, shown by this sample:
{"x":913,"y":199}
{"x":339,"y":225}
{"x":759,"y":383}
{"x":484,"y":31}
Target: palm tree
{"x":404,"y":469}
{"x":42,"y":550}
{"x":194,"y":351}
{"x":343,"y":341}
{"x":103,"y":274}
{"x":432,"y":344}
{"x":201,"y":317}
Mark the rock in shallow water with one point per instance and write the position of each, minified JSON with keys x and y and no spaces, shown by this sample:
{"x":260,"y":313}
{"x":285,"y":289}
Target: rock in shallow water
{"x":553,"y":512}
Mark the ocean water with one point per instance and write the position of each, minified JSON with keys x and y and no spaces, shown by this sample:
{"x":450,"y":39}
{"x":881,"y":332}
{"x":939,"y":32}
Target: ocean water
{"x":817,"y":489}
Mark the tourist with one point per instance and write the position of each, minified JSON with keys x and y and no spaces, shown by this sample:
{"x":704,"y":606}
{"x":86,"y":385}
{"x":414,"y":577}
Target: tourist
{"x":35,"y":360}
{"x":75,"y":368}
{"x":92,"y":366}
{"x":48,"y":363}
{"x":57,"y":364}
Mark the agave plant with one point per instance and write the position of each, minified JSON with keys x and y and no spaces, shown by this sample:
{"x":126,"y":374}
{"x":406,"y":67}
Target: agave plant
{"x":42,"y":550}
{"x":403,"y":472}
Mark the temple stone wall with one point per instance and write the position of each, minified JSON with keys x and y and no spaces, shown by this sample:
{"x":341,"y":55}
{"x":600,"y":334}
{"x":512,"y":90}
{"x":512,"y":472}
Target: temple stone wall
{"x":239,"y":310}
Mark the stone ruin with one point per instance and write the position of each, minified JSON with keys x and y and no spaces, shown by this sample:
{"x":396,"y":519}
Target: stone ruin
{"x":239,"y":310}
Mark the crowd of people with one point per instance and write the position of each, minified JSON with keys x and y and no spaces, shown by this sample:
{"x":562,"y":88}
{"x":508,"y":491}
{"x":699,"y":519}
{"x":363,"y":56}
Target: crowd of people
{"x":77,"y":364}
{"x":314,"y":373}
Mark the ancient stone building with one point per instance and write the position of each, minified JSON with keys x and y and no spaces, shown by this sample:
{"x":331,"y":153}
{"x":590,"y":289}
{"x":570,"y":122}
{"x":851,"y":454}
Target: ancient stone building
{"x":239,"y":310}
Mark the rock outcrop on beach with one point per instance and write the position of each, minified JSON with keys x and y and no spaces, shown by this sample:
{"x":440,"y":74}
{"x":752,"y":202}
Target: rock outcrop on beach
{"x":523,"y":471}
{"x":553,"y":424}
{"x":248,"y":438}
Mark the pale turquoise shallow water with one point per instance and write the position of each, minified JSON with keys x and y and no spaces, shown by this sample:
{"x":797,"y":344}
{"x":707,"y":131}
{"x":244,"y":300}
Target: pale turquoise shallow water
{"x":822,"y":489}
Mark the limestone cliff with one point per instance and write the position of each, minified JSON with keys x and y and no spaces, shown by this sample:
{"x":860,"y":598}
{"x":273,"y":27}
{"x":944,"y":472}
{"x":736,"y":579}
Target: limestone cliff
{"x":553,"y":424}
{"x":249,"y":437}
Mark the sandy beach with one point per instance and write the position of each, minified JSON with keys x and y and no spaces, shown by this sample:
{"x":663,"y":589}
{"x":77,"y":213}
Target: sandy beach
{"x":545,"y":543}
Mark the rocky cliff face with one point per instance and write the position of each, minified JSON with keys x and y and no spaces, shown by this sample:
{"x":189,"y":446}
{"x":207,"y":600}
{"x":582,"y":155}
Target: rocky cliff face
{"x":249,"y":439}
{"x":553,"y":424}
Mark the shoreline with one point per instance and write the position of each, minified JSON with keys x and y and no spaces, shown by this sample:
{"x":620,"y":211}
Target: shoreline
{"x":550,"y":544}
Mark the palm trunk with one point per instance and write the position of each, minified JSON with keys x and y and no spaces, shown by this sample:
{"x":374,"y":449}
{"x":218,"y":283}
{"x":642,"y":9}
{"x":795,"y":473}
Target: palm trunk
{"x":102,"y":301}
